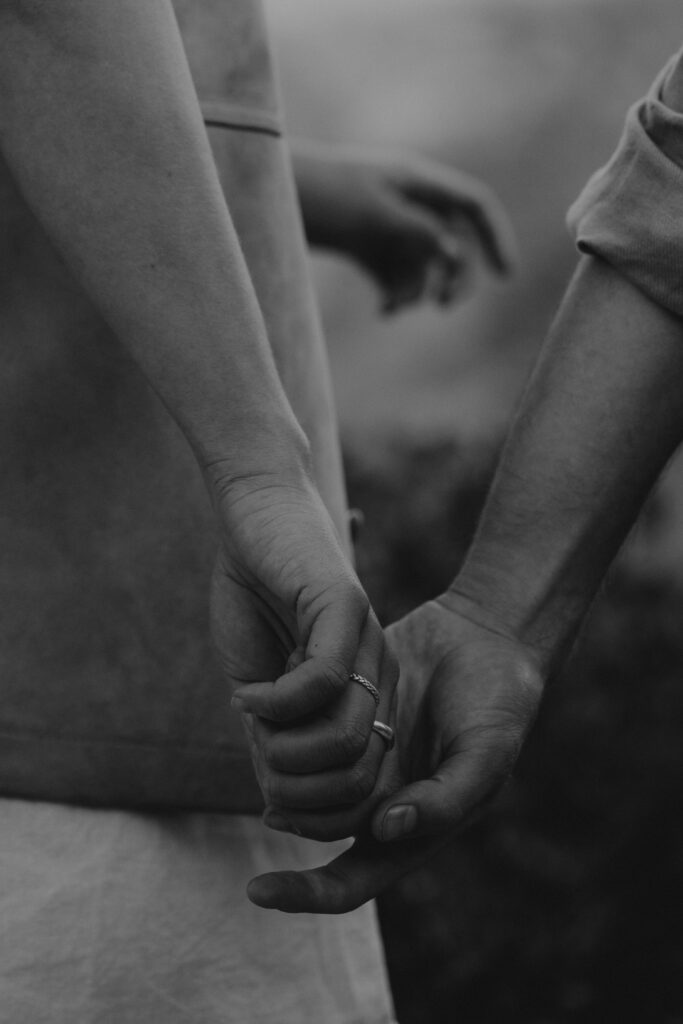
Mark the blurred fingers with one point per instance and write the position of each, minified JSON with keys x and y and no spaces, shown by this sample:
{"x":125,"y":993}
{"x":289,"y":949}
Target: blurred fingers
{"x":494,"y":231}
{"x":451,"y":275}
{"x":409,"y":256}
{"x":449,"y":193}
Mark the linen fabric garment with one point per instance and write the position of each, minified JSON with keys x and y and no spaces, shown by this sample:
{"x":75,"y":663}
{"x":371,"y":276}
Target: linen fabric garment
{"x":133,"y":908}
{"x":631,"y":211}
{"x":113,"y":917}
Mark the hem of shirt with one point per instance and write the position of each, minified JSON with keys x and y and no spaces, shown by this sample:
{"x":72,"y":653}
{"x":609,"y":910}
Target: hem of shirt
{"x":614,"y":219}
{"x":127,"y":773}
{"x":221,"y":113}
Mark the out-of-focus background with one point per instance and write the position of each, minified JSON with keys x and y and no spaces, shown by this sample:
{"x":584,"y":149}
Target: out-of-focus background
{"x":564,"y":905}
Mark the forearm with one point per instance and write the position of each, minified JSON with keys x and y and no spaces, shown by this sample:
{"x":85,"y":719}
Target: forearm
{"x":101,"y":129}
{"x":602,"y":415}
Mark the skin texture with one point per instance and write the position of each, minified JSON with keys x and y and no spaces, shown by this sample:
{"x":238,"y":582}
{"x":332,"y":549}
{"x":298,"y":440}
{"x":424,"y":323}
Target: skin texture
{"x":600,"y":418}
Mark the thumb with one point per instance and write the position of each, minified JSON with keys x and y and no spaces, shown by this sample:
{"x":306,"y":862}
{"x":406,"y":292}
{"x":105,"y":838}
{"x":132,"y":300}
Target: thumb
{"x":356,"y":876}
{"x":439,"y":806}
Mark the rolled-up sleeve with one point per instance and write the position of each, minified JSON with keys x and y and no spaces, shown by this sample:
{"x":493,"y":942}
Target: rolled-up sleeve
{"x":631,"y":211}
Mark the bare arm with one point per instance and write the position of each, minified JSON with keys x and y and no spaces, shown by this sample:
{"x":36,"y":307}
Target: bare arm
{"x":602,"y":414}
{"x":101,"y":128}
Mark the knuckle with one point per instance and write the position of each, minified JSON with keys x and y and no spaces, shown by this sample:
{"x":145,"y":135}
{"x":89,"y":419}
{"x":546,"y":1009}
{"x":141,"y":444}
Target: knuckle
{"x":334,"y":677}
{"x":531,"y":683}
{"x":350,"y":742}
{"x":361,"y":783}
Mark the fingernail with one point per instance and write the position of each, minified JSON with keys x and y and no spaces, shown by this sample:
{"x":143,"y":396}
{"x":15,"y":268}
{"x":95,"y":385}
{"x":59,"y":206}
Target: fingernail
{"x":399,"y":821}
{"x":237,"y":704}
{"x":275,"y":821}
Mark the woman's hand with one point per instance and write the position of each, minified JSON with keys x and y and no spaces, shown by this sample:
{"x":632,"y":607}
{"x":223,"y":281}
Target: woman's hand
{"x":415,"y":226}
{"x":467,"y":697}
{"x":291,"y":623}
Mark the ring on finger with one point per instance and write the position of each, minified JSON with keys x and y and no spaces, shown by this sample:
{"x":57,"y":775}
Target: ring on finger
{"x":386,"y":733}
{"x":370,"y":687}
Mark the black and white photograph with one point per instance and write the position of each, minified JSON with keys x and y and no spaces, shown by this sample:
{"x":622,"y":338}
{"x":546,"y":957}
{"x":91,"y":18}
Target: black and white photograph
{"x":341,"y":511}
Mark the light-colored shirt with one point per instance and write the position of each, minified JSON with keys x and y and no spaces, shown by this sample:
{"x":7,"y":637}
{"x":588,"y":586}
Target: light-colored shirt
{"x":113,"y":917}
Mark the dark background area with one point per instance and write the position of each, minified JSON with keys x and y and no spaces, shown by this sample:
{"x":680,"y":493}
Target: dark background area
{"x":564,"y":904}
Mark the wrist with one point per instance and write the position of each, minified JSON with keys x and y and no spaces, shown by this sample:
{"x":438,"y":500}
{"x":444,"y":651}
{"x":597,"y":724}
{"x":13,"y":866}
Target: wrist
{"x":524,"y":606}
{"x":273,"y":455}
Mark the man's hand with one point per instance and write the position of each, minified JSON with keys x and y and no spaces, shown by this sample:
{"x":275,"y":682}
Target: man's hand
{"x":468,"y":695}
{"x":415,"y":226}
{"x":291,"y":622}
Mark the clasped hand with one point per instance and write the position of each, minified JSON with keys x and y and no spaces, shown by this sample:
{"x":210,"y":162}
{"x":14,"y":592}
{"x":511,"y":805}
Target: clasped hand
{"x":467,"y":696}
{"x":286,"y":606}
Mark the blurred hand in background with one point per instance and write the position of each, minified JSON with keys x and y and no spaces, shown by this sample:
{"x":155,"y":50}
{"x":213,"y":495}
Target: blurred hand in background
{"x":417,"y":227}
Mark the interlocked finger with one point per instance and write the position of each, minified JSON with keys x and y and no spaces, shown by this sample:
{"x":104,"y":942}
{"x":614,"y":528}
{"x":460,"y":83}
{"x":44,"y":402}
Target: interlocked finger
{"x":343,"y":734}
{"x":328,"y":822}
{"x":342,"y":786}
{"x":323,"y":826}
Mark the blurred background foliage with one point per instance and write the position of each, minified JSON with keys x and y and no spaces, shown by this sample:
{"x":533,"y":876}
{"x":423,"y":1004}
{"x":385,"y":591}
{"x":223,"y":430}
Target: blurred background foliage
{"x":564,"y":904}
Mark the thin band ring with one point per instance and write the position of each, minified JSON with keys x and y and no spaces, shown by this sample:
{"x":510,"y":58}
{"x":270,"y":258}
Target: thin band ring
{"x":372,"y":690}
{"x":386,"y":732}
